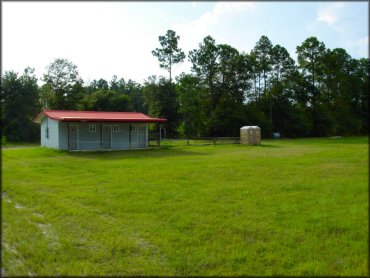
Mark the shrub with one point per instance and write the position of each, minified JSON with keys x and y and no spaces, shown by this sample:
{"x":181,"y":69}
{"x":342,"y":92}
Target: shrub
{"x":3,"y":140}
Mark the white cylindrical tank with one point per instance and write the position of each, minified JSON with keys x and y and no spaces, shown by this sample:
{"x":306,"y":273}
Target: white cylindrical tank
{"x":250,"y":135}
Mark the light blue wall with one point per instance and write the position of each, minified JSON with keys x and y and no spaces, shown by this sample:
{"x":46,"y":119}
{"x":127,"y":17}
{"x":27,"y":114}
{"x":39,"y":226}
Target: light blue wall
{"x":52,"y":140}
{"x":58,"y":136}
{"x":120,"y":140}
{"x":88,"y":140}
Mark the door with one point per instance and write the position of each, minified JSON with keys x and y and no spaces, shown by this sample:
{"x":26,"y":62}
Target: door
{"x":133,"y":137}
{"x":141,"y":136}
{"x":72,"y":138}
{"x":107,"y":137}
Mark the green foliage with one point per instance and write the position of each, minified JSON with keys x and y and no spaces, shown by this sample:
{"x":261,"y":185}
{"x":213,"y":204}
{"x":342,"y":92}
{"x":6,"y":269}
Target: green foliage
{"x":106,"y":100}
{"x":310,"y":55}
{"x":100,"y":84}
{"x":204,"y":61}
{"x":191,"y":106}
{"x":63,"y":85}
{"x":169,"y":53}
{"x":3,"y":140}
{"x":117,"y":95}
{"x":20,"y":104}
{"x":162,"y":101}
{"x":325,"y":94}
{"x":263,"y":54}
{"x":136,"y":97}
{"x":284,"y":208}
{"x":223,"y":73}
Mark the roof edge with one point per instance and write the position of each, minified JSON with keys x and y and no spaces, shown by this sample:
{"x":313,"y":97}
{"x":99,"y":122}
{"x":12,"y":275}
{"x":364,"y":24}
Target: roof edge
{"x":151,"y":120}
{"x":38,"y":118}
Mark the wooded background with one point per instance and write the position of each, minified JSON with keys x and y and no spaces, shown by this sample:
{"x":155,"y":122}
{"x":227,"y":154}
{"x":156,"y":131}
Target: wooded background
{"x":324,"y":93}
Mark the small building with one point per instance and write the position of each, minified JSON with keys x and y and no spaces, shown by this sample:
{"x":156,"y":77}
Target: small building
{"x":250,"y":135}
{"x":94,"y":130}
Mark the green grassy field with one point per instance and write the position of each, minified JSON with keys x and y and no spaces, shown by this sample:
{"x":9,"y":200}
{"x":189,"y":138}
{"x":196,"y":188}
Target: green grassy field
{"x":287,"y":207}
{"x":19,"y":144}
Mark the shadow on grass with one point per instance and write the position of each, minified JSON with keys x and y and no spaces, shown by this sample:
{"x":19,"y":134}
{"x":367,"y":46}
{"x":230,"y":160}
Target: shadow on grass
{"x":264,"y":145}
{"x":361,"y":140}
{"x":152,"y":152}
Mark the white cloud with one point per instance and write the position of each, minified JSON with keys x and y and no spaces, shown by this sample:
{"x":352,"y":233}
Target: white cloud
{"x":109,"y":38}
{"x":326,"y":17}
{"x":192,"y":32}
{"x":224,"y":7}
{"x":361,"y":46}
{"x":97,"y":37}
{"x":220,"y":9}
{"x":331,"y":14}
{"x":212,"y":17}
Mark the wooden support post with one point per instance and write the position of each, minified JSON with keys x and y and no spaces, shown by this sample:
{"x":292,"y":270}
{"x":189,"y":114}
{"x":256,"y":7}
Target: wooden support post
{"x":68,"y":135}
{"x":101,"y":135}
{"x":159,"y":135}
{"x":129,"y":136}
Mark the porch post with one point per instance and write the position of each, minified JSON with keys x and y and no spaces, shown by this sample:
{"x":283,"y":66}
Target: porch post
{"x":129,"y":136}
{"x":147,"y":137}
{"x":68,"y":134}
{"x":101,"y":135}
{"x":159,"y":136}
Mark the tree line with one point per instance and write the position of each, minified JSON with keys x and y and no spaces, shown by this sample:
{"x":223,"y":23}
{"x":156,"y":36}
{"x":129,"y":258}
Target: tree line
{"x":324,"y":94}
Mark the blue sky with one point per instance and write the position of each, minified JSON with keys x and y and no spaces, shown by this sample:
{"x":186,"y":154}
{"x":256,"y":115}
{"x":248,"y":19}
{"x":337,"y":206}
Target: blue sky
{"x":116,"y":38}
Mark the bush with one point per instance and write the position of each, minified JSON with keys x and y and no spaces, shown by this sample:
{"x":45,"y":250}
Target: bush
{"x":3,"y":140}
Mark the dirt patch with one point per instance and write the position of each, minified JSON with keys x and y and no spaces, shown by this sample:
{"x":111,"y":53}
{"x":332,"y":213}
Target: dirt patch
{"x":49,"y":234}
{"x":9,"y":248}
{"x":5,"y":197}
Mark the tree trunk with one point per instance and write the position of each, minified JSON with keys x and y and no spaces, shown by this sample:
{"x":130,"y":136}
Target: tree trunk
{"x":259,"y":86}
{"x":264,"y":82}
{"x":170,"y":69}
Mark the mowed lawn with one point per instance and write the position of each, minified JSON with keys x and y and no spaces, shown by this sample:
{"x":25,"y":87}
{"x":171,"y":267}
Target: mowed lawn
{"x":287,"y":207}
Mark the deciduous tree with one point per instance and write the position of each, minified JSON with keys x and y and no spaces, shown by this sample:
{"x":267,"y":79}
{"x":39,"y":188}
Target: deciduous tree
{"x":20,"y":104}
{"x":62,"y":77}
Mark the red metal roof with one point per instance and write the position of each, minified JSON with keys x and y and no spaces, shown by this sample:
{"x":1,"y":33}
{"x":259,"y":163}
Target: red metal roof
{"x":96,"y":116}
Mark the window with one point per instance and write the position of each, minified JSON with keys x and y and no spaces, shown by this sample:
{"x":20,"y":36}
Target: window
{"x":116,"y":128}
{"x":133,"y":128}
{"x":92,"y":128}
